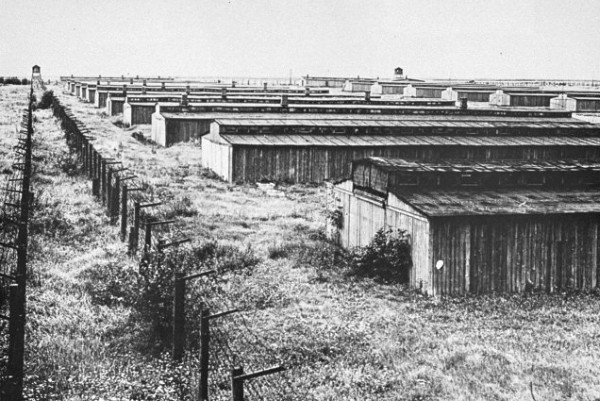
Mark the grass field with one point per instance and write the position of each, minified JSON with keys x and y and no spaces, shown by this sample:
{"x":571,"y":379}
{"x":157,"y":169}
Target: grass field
{"x":346,"y":337}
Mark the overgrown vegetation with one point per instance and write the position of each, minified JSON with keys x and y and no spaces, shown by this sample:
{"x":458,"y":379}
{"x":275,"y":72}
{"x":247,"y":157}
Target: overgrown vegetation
{"x":46,"y":101}
{"x":345,"y":336}
{"x":14,"y":81}
{"x":387,"y":257}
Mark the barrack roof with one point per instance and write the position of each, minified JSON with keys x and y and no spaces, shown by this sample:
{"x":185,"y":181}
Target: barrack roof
{"x":463,"y":166}
{"x":404,"y":121}
{"x":500,"y":202}
{"x":406,"y":140}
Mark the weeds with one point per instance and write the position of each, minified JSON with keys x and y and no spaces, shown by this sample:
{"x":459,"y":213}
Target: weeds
{"x":386,"y":257}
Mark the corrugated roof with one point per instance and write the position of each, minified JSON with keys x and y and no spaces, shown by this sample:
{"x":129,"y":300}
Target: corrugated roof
{"x":434,"y":121}
{"x":513,"y":166}
{"x":500,"y":202}
{"x":312,"y":119}
{"x":408,"y":140}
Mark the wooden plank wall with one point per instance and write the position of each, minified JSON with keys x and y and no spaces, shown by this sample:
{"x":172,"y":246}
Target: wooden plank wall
{"x":430,"y":92}
{"x":401,"y":216}
{"x":92,"y":95}
{"x":184,"y":130}
{"x":141,"y":114}
{"x":101,"y":98}
{"x":529,"y":101}
{"x":504,"y":253}
{"x":588,"y":105}
{"x":364,"y":215}
{"x":115,"y":106}
{"x":316,"y":164}
{"x":475,"y":96}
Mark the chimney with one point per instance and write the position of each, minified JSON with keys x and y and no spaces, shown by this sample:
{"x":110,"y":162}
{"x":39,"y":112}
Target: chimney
{"x":131,"y":81}
{"x":367,"y":96}
{"x":122,"y":76}
{"x":463,"y":103}
{"x":284,"y":101}
{"x":97,"y":82}
{"x":307,"y":91}
{"x":137,"y":77}
{"x":224,"y":93}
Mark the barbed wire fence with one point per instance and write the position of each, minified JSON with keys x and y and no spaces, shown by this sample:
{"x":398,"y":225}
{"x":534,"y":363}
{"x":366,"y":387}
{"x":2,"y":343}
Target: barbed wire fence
{"x":16,"y":200}
{"x":211,"y":336}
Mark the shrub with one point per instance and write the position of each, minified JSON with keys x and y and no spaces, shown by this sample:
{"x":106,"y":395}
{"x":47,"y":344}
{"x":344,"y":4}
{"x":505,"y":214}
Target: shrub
{"x":387,"y":256}
{"x":46,"y":100}
{"x":24,"y":81}
{"x":148,"y":290}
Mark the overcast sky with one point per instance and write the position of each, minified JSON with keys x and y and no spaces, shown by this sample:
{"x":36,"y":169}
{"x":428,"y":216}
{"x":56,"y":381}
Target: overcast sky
{"x":260,"y":38}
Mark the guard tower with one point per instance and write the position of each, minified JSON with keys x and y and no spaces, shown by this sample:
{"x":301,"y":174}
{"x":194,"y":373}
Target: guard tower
{"x":398,"y":73}
{"x":36,"y":78}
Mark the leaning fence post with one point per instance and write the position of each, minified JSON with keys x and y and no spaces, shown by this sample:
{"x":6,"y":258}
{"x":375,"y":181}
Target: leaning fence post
{"x":178,"y":316}
{"x":237,"y":385}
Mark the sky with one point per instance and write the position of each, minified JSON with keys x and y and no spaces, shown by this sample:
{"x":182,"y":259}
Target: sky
{"x":549,"y":39}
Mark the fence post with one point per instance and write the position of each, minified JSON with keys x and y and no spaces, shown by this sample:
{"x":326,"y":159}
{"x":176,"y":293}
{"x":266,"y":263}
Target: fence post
{"x":147,"y":241}
{"x":109,"y":188}
{"x":16,"y":343}
{"x":135,"y":229}
{"x":103,"y":180}
{"x":237,"y":385}
{"x":178,"y":317}
{"x":114,"y":210}
{"x":204,"y":353}
{"x":95,"y":186}
{"x":123,"y":212}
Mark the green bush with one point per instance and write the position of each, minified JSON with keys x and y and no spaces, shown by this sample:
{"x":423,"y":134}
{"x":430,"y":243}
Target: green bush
{"x":388,"y":256}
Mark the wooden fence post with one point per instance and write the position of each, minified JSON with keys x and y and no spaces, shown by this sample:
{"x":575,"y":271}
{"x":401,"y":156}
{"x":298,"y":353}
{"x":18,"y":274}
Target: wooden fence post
{"x":237,"y":385}
{"x":204,"y":353}
{"x":114,"y":211}
{"x":238,"y":377}
{"x":95,"y":187}
{"x":109,"y":188}
{"x":123,"y":212}
{"x":135,"y":229}
{"x":103,"y":180}
{"x":178,"y":317}
{"x":16,"y":343}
